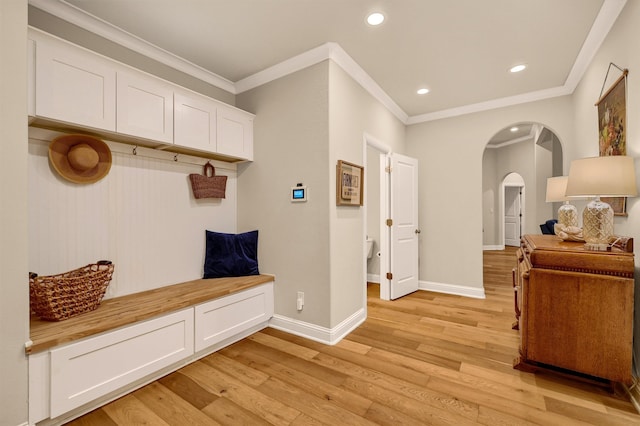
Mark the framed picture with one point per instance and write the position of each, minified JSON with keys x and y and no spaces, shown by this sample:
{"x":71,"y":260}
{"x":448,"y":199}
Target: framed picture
{"x":349,"y":184}
{"x":612,"y":130}
{"x":612,"y":119}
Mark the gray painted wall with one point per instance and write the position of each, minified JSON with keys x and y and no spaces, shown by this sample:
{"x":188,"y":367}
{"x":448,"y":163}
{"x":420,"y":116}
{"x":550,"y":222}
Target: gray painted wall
{"x":14,"y":288}
{"x":450,"y":152}
{"x":291,"y":145}
{"x":305,"y":122}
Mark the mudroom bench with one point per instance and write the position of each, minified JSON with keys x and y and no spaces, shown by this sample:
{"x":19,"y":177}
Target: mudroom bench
{"x":83,"y":362}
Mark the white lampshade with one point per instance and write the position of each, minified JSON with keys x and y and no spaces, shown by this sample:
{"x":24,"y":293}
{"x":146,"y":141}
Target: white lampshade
{"x":556,"y":187}
{"x":567,"y":213}
{"x":612,"y":176}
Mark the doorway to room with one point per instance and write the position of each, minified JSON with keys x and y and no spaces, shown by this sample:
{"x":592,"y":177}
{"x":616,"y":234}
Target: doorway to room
{"x":391,"y":249}
{"x":513,"y":216}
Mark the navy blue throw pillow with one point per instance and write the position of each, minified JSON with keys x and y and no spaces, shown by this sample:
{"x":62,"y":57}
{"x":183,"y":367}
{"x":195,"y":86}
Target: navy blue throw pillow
{"x":231,"y":255}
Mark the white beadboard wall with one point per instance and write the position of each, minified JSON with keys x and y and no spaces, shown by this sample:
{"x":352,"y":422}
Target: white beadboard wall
{"x":142,"y":216}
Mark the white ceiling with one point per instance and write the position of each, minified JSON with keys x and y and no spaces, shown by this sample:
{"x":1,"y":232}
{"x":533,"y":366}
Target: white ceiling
{"x":460,"y":49}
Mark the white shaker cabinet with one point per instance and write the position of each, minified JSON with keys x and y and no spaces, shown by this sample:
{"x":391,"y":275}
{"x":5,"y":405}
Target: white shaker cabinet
{"x":74,"y":86}
{"x":84,"y":90}
{"x":235,"y":133}
{"x":144,"y":106}
{"x":195,"y":121}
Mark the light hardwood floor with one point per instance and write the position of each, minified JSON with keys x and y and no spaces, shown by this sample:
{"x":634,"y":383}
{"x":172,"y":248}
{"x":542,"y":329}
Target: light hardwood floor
{"x":426,"y":359}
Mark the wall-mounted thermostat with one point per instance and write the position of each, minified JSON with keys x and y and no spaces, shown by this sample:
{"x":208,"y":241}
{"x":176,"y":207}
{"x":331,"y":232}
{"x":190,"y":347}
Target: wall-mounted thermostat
{"x":298,"y":193}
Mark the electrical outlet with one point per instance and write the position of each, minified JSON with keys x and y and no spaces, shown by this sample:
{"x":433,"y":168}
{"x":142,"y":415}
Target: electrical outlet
{"x":300,"y":300}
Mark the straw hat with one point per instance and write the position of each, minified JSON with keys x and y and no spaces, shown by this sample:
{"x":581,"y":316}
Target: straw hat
{"x":80,"y":158}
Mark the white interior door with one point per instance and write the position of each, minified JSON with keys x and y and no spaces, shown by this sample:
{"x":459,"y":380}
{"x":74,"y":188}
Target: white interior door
{"x":404,"y":228}
{"x":512,"y":216}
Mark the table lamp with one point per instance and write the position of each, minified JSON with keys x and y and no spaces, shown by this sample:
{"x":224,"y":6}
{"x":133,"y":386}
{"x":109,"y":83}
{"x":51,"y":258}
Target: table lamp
{"x":611,"y":176}
{"x":567,"y":213}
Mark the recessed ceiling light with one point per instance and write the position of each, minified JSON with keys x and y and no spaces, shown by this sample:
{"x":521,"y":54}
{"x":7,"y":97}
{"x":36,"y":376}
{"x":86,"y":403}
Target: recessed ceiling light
{"x":423,"y":91}
{"x":375,"y":18}
{"x":518,"y":68}
{"x":514,"y":129}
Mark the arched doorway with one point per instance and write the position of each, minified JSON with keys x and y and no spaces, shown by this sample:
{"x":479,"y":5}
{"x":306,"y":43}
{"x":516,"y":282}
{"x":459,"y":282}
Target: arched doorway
{"x":533,"y":152}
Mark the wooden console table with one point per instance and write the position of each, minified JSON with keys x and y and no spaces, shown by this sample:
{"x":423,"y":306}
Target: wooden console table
{"x":574,"y":308}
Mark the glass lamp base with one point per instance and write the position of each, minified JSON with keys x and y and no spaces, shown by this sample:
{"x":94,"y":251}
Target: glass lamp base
{"x":568,"y":215}
{"x":597,"y":225}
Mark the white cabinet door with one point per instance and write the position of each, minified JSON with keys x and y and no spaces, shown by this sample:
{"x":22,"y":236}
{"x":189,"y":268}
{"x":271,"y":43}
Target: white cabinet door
{"x":194,"y":121}
{"x":144,"y":107}
{"x":91,"y":368}
{"x":404,"y":232}
{"x":227,"y":317}
{"x":39,"y":382}
{"x":74,"y":85}
{"x":235,"y":133}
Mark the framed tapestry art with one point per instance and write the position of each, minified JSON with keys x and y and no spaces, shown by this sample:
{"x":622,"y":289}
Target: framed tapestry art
{"x":612,"y":119}
{"x":349,"y":184}
{"x":612,"y":128}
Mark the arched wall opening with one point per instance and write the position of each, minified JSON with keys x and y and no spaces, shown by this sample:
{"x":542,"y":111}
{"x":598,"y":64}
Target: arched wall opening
{"x":532,"y":151}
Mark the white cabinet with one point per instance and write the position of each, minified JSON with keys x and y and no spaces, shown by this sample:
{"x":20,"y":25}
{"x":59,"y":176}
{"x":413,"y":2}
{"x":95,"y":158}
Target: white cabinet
{"x":74,"y":86}
{"x":85,"y":90}
{"x":144,"y":107}
{"x":71,"y":379}
{"x":229,"y":316}
{"x":84,"y":371}
{"x":194,"y":121}
{"x":235,"y":133}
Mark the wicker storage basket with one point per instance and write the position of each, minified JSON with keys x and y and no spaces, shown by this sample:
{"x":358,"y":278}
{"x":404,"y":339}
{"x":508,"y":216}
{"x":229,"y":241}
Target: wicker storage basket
{"x":208,"y":185}
{"x":58,"y":297}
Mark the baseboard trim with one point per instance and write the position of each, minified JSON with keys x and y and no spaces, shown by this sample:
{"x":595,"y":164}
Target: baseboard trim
{"x":373,"y":278}
{"x":493,"y":247}
{"x":458,"y":290}
{"x":328,"y":336}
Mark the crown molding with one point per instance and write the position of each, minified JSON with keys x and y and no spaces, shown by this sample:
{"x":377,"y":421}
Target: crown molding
{"x":289,"y":66}
{"x":93,"y":24}
{"x":351,"y":67}
{"x":602,"y":25}
{"x":527,"y":138}
{"x":489,"y":105}
{"x":331,"y":51}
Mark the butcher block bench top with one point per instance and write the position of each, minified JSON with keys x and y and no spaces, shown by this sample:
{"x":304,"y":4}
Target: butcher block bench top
{"x":126,"y":310}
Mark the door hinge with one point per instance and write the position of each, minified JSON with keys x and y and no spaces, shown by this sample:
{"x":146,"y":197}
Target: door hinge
{"x":389,"y":222}
{"x":389,"y":276}
{"x":387,"y":169}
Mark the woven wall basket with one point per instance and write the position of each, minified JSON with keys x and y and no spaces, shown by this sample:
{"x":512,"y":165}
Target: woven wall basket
{"x":58,"y":297}
{"x":208,"y":185}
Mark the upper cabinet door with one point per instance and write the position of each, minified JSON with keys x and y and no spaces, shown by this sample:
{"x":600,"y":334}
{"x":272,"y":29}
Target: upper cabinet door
{"x":235,"y":133}
{"x":194,"y":121}
{"x":145,"y":107}
{"x":74,"y":86}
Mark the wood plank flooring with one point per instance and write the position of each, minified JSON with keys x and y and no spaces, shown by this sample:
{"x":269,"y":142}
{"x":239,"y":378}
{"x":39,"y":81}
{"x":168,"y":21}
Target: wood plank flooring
{"x":426,"y":359}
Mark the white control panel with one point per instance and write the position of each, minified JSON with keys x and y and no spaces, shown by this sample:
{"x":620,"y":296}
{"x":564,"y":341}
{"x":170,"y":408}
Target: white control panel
{"x":299,"y":193}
